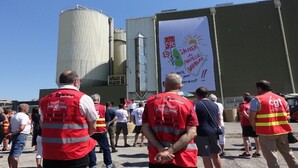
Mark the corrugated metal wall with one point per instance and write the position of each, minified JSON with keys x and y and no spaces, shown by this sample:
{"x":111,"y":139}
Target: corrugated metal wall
{"x":251,"y":44}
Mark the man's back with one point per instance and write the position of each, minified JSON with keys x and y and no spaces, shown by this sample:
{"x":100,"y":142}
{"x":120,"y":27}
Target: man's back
{"x":170,"y":111}
{"x":206,"y":127}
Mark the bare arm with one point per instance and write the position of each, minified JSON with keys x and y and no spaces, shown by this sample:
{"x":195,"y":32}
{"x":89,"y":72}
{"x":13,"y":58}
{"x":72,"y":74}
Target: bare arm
{"x":21,"y":128}
{"x":91,"y":127}
{"x":151,"y":137}
{"x":183,"y":141}
{"x":168,"y":155}
{"x":252,"y":119}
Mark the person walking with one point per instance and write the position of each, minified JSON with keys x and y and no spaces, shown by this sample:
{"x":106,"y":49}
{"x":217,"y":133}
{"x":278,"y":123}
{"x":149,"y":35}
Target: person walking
{"x":100,"y":135}
{"x":207,"y":112}
{"x":20,"y":126}
{"x":221,"y":124}
{"x":68,"y":118}
{"x":169,"y":124}
{"x":110,"y":120}
{"x":121,"y":125}
{"x":137,"y":120}
{"x":268,"y":116}
{"x":247,"y":129}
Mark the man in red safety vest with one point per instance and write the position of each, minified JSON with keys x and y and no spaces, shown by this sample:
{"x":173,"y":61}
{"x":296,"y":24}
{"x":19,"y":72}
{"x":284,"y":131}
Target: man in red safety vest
{"x":269,"y":117}
{"x":100,"y":135}
{"x":68,"y":118}
{"x":169,"y":124}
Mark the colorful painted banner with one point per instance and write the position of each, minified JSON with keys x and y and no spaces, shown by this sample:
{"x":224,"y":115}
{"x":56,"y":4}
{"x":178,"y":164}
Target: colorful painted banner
{"x":185,"y":49}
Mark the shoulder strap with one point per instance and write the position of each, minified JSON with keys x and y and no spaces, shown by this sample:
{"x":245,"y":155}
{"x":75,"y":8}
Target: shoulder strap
{"x":215,"y":123}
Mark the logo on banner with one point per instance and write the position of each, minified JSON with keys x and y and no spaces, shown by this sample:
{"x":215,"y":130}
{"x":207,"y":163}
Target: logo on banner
{"x":188,"y":56}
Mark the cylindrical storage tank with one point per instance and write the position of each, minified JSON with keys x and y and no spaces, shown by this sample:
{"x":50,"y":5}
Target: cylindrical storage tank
{"x":83,"y":45}
{"x":119,"y":52}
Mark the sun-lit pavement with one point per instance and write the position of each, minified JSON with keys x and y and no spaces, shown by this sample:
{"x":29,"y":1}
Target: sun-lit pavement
{"x":137,"y":156}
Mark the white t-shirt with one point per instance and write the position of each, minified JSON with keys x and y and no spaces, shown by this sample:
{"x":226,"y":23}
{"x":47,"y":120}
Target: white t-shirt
{"x":20,"y":119}
{"x":122,"y":115}
{"x":220,"y":113}
{"x":138,"y":112}
{"x":133,"y":105}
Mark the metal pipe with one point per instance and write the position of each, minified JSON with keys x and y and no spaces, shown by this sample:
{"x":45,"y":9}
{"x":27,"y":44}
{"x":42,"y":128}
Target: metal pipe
{"x":277,"y":4}
{"x":111,"y":45}
{"x":213,"y":12}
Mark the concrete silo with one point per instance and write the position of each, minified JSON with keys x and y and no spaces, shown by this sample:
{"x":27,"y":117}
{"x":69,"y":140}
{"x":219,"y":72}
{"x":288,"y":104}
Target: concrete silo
{"x":83,"y":45}
{"x":119,"y":52}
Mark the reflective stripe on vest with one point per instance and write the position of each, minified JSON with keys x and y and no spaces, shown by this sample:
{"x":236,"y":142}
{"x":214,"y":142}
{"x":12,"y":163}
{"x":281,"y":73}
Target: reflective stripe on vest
{"x":271,"y":119}
{"x":168,"y":130}
{"x":279,"y":114}
{"x":65,"y":126}
{"x":64,"y":140}
{"x":271,"y":123}
{"x":6,"y":126}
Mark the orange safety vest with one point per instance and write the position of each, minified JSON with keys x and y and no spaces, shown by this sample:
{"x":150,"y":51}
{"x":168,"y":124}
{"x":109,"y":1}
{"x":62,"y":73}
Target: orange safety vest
{"x":101,"y":121}
{"x":271,"y":119}
{"x":64,"y":129}
{"x":6,"y":124}
{"x":167,"y":117}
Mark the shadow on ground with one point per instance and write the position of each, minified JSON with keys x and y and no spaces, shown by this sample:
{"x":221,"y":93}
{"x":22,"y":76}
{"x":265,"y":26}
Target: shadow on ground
{"x":140,"y":155}
{"x":135,"y":164}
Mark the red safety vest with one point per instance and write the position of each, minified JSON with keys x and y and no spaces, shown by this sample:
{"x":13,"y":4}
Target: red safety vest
{"x":244,"y":107}
{"x":271,"y":119}
{"x":167,"y":118}
{"x":64,"y":129}
{"x":101,"y":121}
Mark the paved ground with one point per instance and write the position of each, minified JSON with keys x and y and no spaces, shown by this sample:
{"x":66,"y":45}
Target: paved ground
{"x":137,"y":156}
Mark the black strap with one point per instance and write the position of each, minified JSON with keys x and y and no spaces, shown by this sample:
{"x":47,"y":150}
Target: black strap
{"x":215,"y":123}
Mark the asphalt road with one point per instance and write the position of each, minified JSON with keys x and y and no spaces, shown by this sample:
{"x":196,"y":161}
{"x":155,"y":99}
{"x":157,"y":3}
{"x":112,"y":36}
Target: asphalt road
{"x":137,"y":156}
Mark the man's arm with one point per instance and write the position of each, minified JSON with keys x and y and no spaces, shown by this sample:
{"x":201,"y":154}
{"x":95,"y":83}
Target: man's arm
{"x":21,"y":128}
{"x":168,"y":155}
{"x":190,"y":134}
{"x":254,"y":108}
{"x":87,"y":109}
{"x":91,"y":127}
{"x":252,"y":119}
{"x":151,"y":137}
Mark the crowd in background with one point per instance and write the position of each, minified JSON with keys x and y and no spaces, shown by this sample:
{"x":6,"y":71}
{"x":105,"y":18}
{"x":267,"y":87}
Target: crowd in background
{"x":176,"y":128}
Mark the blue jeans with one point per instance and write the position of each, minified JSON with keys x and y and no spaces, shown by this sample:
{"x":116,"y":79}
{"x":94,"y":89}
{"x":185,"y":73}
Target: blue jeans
{"x":18,"y":144}
{"x":103,"y":142}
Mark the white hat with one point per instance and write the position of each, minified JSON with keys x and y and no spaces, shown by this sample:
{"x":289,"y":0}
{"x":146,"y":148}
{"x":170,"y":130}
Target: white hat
{"x":212,"y":97}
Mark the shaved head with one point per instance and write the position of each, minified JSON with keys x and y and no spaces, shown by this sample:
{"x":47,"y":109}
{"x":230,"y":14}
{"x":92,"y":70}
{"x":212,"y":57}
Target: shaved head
{"x":173,"y":82}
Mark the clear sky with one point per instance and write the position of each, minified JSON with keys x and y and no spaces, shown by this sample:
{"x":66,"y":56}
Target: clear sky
{"x":29,"y":36}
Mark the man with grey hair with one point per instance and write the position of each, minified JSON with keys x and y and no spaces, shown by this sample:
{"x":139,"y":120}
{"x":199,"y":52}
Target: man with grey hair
{"x":20,"y":126}
{"x":100,"y":135}
{"x":169,"y":123}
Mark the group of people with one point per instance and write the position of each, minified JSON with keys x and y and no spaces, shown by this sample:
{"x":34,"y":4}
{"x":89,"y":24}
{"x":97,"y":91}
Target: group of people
{"x":178,"y":129}
{"x":177,"y":132}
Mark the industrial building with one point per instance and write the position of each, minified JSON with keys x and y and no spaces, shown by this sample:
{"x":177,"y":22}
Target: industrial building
{"x":224,"y":48}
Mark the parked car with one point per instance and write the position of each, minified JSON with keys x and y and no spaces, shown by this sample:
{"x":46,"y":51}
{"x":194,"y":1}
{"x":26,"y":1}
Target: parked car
{"x":292,"y":100}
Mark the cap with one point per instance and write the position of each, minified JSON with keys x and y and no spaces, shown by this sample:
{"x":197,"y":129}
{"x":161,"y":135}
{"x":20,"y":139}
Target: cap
{"x":212,"y":97}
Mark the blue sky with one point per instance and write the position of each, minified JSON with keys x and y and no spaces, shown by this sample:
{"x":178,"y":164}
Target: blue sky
{"x":29,"y":36}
